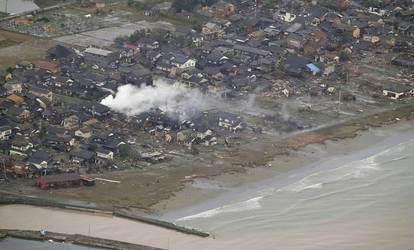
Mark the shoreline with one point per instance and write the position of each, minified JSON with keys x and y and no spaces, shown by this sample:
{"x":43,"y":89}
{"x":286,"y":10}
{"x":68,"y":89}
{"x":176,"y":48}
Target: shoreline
{"x":365,"y":144}
{"x":299,"y":151}
{"x":317,"y":158}
{"x":148,"y":190}
{"x":280,"y":156}
{"x":201,"y":197}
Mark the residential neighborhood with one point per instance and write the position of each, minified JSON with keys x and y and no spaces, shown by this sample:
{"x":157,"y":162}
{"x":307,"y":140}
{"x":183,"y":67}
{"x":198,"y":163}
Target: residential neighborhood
{"x":206,"y":124}
{"x":53,"y":119}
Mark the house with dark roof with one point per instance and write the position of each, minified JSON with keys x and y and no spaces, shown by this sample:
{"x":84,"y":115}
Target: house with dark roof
{"x":183,"y":62}
{"x":20,"y":145}
{"x":82,"y":157}
{"x":148,"y":43}
{"x":230,"y":121}
{"x":296,"y":65}
{"x":397,"y":91}
{"x":216,"y":58}
{"x":18,"y":114}
{"x":212,"y":31}
{"x":3,"y":91}
{"x":97,"y":110}
{"x":41,"y":92}
{"x":221,"y":9}
{"x":39,"y":159}
{"x":5,"y":133}
{"x":295,"y":41}
{"x":251,"y":51}
{"x":104,"y":153}
{"x":60,"y":143}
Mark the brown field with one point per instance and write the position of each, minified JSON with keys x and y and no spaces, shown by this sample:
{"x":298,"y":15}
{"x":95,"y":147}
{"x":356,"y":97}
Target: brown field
{"x":15,"y":47}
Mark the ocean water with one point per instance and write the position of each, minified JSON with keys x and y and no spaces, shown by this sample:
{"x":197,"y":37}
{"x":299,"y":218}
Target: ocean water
{"x":364,"y":200}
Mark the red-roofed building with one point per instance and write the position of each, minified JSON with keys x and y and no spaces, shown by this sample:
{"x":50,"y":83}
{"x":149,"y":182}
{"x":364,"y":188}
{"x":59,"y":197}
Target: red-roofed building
{"x":133,"y":47}
{"x":52,"y":67}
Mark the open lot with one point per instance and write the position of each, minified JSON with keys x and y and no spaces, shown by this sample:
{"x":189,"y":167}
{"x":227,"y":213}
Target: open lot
{"x":105,"y":37}
{"x":16,"y":47}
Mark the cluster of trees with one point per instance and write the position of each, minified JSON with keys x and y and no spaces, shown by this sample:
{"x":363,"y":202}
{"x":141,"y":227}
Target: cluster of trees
{"x":189,"y":5}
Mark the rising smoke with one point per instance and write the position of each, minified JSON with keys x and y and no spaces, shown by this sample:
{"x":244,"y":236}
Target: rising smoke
{"x":171,"y":98}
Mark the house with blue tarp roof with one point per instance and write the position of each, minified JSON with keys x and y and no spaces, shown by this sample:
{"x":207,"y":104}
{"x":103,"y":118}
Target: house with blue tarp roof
{"x":313,"y":68}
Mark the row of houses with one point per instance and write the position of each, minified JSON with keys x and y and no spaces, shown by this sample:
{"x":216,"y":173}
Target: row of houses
{"x":51,"y":113}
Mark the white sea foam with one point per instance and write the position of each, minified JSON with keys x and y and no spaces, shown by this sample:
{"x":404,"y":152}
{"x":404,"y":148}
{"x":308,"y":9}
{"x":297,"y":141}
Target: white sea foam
{"x":352,"y":170}
{"x":243,"y":206}
{"x":355,"y":169}
{"x":336,"y":192}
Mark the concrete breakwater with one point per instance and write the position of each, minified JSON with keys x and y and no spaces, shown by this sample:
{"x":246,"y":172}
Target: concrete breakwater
{"x":76,"y":239}
{"x":161,"y":223}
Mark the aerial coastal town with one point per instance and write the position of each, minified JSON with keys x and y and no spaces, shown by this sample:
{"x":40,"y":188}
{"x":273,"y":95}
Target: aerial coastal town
{"x":238,"y":68}
{"x":141,"y":97}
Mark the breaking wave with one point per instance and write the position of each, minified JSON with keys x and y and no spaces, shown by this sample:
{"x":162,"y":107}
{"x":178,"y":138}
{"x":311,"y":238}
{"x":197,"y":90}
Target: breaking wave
{"x":345,"y":172}
{"x":372,"y":170}
{"x":352,"y":170}
{"x":243,"y":206}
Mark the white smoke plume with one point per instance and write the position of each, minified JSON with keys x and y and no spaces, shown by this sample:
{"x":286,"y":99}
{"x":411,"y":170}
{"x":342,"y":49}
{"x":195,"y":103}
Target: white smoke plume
{"x":171,"y":98}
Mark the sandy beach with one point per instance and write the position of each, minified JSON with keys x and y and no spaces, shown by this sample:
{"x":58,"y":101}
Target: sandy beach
{"x":201,"y":204}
